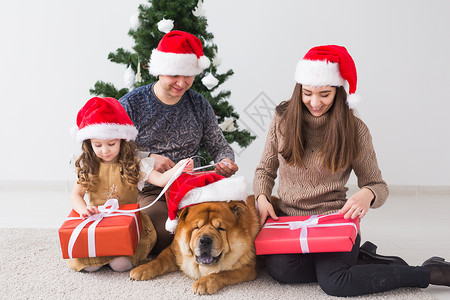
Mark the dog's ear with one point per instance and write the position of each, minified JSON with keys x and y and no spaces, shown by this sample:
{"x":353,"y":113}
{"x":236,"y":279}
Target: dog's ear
{"x":237,"y":207}
{"x":183,"y":213}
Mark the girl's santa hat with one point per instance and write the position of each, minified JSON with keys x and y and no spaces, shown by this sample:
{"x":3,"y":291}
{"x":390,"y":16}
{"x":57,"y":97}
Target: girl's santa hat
{"x":329,"y":65}
{"x":105,"y":119}
{"x":178,"y":53}
{"x":194,"y":188}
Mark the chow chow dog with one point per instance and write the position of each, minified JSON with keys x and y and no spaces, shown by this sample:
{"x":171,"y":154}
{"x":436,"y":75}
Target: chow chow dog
{"x":213,"y":243}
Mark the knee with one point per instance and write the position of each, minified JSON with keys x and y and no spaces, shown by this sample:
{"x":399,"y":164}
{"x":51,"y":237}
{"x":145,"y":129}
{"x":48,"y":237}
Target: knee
{"x":333,"y":286}
{"x":121,"y":264}
{"x":92,"y":269}
{"x":279,"y":268}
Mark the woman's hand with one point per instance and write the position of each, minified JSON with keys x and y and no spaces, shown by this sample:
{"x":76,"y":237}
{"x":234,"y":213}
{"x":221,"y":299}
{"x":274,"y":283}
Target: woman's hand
{"x":226,"y":167}
{"x":358,"y":205}
{"x":265,"y":209}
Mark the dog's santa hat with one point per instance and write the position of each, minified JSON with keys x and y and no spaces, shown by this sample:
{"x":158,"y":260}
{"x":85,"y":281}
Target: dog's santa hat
{"x":103,"y":118}
{"x":194,"y":188}
{"x":329,"y":65}
{"x":178,"y":53}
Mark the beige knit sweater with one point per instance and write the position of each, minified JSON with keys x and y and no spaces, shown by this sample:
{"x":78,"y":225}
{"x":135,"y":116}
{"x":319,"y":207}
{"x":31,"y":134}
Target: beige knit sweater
{"x":312,"y":189}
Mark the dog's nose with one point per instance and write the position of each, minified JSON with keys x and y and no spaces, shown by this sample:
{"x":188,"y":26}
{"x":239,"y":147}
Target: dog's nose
{"x":205,"y":241}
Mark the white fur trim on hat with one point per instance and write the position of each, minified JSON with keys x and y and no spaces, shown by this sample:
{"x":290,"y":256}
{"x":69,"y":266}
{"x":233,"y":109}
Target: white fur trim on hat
{"x":167,"y":63}
{"x":227,"y":189}
{"x":107,"y":132}
{"x":318,"y":73}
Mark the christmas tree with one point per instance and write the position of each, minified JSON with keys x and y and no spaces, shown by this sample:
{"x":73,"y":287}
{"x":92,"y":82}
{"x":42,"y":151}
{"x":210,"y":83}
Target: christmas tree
{"x":147,"y":28}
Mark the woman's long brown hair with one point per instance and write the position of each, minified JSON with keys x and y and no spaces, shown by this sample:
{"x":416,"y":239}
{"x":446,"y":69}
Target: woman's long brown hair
{"x":339,"y":147}
{"x":88,"y":165}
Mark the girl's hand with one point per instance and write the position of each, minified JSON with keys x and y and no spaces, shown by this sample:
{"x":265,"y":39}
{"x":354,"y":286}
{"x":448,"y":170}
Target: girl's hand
{"x":189,"y":168}
{"x":358,"y":205}
{"x":89,"y":211}
{"x":78,"y":203}
{"x":161,"y":179}
{"x":265,"y":209}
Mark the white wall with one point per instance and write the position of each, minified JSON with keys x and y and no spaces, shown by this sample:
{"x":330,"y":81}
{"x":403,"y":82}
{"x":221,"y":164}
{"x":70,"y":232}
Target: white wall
{"x":54,"y":51}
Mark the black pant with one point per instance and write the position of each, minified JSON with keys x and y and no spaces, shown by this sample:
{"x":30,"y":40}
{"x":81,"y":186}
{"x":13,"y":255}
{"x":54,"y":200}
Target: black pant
{"x":338,"y":274}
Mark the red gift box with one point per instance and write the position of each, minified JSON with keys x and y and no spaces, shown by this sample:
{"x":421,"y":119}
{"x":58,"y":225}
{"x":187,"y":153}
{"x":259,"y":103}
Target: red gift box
{"x":307,"y":234}
{"x":116,"y":234}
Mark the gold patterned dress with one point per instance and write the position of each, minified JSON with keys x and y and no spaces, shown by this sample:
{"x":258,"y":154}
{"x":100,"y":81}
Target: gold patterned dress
{"x":113,"y":185}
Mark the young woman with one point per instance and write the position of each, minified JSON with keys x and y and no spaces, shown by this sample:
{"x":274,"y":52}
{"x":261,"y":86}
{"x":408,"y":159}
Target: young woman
{"x":314,"y":142}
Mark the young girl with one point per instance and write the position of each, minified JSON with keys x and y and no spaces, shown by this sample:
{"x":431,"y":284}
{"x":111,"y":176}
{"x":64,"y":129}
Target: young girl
{"x":315,"y":141}
{"x":110,"y":168}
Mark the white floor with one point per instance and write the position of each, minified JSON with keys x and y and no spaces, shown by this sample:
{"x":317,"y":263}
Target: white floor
{"x":414,"y":223}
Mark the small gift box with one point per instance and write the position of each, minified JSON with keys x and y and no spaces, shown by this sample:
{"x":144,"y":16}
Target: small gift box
{"x":307,"y":234}
{"x":115,"y":231}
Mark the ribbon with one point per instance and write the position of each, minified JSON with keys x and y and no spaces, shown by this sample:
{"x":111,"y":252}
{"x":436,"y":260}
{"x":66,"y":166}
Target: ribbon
{"x":111,"y":209}
{"x":209,"y":166}
{"x":312,"y":222}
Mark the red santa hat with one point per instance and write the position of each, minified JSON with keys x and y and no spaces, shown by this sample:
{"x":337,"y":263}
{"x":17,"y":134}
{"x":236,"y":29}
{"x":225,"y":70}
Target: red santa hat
{"x":329,"y":65}
{"x":104,"y":118}
{"x":178,"y":53}
{"x":194,"y":188}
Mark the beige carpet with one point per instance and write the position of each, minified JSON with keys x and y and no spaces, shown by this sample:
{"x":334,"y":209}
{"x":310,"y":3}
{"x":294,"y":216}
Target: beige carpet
{"x":31,"y":267}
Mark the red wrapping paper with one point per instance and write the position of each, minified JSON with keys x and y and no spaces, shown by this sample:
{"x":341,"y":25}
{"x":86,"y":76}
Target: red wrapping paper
{"x":114,"y":236}
{"x":319,"y":239}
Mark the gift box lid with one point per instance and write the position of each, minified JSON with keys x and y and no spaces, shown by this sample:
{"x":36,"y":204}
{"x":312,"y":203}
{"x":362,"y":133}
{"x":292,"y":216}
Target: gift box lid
{"x":117,"y":235}
{"x":330,"y":233}
{"x":106,"y":222}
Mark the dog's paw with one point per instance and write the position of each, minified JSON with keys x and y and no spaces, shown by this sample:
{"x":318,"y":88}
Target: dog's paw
{"x":205,"y":285}
{"x":144,"y":272}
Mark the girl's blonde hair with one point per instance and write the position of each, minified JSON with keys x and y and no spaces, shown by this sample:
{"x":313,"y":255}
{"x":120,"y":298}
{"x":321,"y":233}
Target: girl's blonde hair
{"x":88,"y":165}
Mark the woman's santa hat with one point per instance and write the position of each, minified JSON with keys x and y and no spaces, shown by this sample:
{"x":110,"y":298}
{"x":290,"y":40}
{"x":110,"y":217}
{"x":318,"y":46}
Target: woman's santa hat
{"x":194,"y":188}
{"x":178,"y":53}
{"x":329,"y":65}
{"x":105,"y":119}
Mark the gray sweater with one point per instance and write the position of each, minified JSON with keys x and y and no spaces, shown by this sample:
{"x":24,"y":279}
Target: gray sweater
{"x":175,"y":131}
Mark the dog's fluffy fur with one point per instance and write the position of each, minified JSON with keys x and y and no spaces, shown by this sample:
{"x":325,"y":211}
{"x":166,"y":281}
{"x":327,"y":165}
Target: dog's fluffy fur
{"x":214,"y":244}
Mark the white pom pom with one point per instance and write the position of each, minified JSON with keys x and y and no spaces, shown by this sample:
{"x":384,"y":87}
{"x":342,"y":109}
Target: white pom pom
{"x":203,"y":62}
{"x":135,"y":22}
{"x":210,"y":81}
{"x":353,"y":100}
{"x":165,"y":25}
{"x":171,"y":225}
{"x":129,"y":78}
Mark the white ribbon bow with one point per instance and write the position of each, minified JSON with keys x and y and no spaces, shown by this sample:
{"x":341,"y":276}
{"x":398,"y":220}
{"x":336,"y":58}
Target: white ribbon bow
{"x":111,"y":209}
{"x":312,"y":222}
